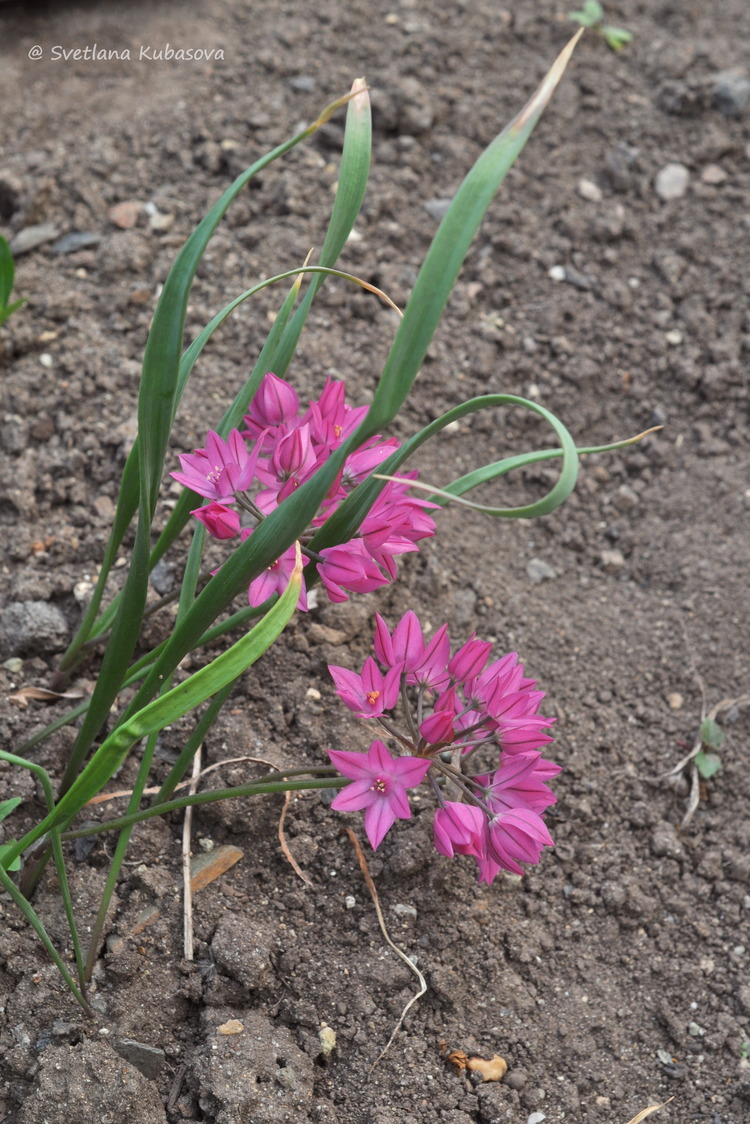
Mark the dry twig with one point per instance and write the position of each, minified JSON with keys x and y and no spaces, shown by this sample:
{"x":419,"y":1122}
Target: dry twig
{"x":285,"y":846}
{"x":647,"y":1111}
{"x":381,"y":921}
{"x":187,"y":889}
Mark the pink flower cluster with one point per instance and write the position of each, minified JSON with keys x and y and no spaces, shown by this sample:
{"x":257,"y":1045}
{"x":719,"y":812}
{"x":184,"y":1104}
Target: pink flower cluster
{"x":454,"y":707}
{"x":281,"y":447}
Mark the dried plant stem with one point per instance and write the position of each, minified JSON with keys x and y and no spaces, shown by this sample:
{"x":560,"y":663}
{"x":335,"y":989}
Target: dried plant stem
{"x":187,"y":889}
{"x":402,"y":955}
{"x":285,"y":846}
{"x":647,"y":1111}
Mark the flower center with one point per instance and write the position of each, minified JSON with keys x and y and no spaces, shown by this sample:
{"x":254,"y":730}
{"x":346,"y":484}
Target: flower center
{"x":372,"y":697}
{"x":215,"y":476}
{"x":379,"y":785}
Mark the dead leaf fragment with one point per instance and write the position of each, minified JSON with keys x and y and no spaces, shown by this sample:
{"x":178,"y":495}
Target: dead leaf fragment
{"x":42,"y":694}
{"x":647,"y":1112}
{"x":233,"y":1026}
{"x":205,"y":868}
{"x":492,"y":1070}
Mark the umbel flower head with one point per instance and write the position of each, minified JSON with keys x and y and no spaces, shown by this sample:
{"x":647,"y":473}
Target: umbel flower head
{"x":455,"y":709}
{"x":255,"y":469}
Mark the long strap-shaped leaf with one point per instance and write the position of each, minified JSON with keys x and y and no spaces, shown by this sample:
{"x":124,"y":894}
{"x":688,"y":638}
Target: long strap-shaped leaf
{"x":160,"y":384}
{"x":421,"y":317}
{"x":224,"y":669}
{"x":161,"y":361}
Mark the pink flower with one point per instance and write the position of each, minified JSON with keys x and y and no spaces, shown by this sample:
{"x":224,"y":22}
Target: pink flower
{"x":514,"y":836}
{"x":331,"y":420}
{"x":221,"y":522}
{"x":275,"y":403}
{"x":404,"y":646}
{"x":349,"y":569}
{"x":379,"y":783}
{"x":275,"y":579}
{"x":469,"y":660}
{"x":520,"y":781}
{"x":458,"y":829}
{"x":219,"y":470}
{"x":424,"y":664}
{"x":370,"y":693}
{"x":438,"y":728}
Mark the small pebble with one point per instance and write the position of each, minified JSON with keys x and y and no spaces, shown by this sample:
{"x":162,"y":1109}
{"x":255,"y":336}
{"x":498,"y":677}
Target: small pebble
{"x":731,"y":92}
{"x":516,"y":1079}
{"x":590,"y":191}
{"x":350,"y":901}
{"x":287,"y":1078}
{"x":537,"y":571}
{"x":125,"y":215}
{"x":437,"y":209}
{"x":612,"y":561}
{"x":32,"y":236}
{"x":159,"y":222}
{"x":672,"y":182}
{"x":712,"y":174}
{"x":79,"y":240}
{"x":405,"y":910}
{"x":674,"y":337}
{"x":675,"y":700}
{"x":148,"y":1059}
{"x":536,"y":1118}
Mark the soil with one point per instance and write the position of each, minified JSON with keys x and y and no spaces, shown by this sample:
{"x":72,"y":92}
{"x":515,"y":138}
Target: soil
{"x":613,"y":975}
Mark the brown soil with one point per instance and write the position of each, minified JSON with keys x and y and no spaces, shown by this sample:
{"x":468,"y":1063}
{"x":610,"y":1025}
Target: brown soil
{"x":613,"y":975}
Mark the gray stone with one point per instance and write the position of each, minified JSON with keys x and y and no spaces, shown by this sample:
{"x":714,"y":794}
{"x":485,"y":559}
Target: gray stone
{"x":32,"y":236}
{"x":29,"y":627}
{"x":537,"y":570}
{"x":672,"y":182}
{"x":147,"y":1059}
{"x":437,"y":209}
{"x":78,"y":240}
{"x":665,"y":843}
{"x":731,"y":92}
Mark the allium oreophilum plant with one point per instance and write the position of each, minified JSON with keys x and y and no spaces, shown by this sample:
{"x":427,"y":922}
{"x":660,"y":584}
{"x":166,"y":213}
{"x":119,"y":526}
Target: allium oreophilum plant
{"x":298,"y":491}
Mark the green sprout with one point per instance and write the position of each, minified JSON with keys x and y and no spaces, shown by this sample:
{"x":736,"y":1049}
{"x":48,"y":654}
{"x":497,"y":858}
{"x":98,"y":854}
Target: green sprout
{"x":6,"y":807}
{"x":592,"y":15}
{"x":706,"y":762}
{"x":7,"y":274}
{"x":702,"y":762}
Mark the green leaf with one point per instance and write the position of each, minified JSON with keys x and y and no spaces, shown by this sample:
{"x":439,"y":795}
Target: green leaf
{"x":707,"y":764}
{"x":157,"y":402}
{"x":712,"y":734}
{"x":167,"y":708}
{"x":7,"y":312}
{"x":14,"y":864}
{"x":616,"y":37}
{"x":7,"y":272}
{"x":431,"y":292}
{"x":8,"y":806}
{"x":590,"y":15}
